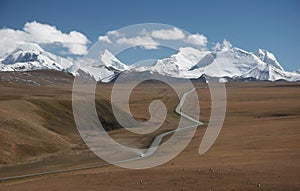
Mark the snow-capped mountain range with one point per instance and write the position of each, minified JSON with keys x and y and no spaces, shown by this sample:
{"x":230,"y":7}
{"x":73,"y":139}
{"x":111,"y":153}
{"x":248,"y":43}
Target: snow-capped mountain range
{"x":223,"y":61}
{"x":31,"y":56}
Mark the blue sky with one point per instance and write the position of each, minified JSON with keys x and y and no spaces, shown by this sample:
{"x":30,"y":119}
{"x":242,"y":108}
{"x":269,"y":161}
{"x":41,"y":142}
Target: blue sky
{"x":271,"y":25}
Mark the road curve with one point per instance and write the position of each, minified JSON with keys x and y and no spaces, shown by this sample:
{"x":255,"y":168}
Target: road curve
{"x":157,"y":140}
{"x":152,"y":148}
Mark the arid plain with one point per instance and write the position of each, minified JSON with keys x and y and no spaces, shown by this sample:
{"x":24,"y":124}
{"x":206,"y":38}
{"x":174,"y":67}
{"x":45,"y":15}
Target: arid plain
{"x":258,"y":147}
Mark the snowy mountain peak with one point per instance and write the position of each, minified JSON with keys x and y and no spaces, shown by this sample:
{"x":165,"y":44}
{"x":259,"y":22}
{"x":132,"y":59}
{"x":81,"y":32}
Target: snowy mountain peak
{"x":111,"y":61}
{"x":184,"y":59}
{"x":24,"y":53}
{"x":271,"y":73}
{"x":105,"y":70}
{"x":268,"y":58}
{"x":225,"y":45}
{"x":31,"y":56}
{"x":188,"y":51}
{"x":29,"y":47}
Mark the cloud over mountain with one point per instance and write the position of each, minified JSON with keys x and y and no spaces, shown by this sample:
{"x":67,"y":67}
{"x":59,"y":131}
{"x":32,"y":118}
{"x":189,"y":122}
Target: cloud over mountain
{"x":152,"y":39}
{"x":197,"y":39}
{"x":34,"y":32}
{"x":143,"y":41}
{"x":168,"y":34}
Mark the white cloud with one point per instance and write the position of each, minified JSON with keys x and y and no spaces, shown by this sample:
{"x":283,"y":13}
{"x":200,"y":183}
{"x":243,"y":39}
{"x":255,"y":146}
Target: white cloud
{"x":10,"y":39}
{"x":113,"y":33}
{"x":197,"y":39}
{"x":78,"y":49}
{"x":104,"y":39}
{"x":144,"y":32}
{"x":110,"y":35}
{"x":168,"y":34}
{"x":143,"y":41}
{"x":35,"y":32}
